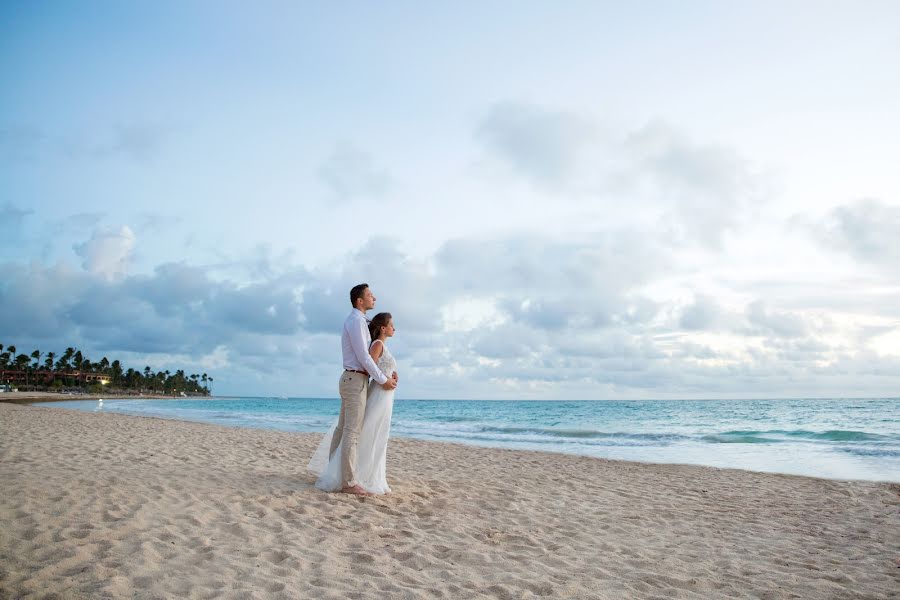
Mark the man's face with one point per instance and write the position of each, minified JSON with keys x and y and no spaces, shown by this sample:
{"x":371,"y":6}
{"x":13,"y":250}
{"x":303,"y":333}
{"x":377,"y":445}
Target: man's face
{"x":368,"y":300}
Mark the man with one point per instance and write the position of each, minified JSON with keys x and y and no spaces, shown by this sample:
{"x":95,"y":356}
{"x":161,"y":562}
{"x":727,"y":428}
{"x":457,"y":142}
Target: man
{"x":354,"y":385}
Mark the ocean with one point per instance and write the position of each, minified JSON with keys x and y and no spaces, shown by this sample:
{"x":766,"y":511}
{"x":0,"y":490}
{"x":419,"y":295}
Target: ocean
{"x":832,"y":438}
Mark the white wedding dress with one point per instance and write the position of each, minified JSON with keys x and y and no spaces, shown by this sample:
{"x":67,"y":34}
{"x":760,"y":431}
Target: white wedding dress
{"x":371,"y":464}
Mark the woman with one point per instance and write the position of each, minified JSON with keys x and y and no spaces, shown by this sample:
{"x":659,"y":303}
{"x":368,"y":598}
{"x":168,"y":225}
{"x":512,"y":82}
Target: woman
{"x":372,"y":445}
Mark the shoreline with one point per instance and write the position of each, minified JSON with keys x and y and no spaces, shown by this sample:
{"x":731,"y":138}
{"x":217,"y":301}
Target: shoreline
{"x":37,"y":397}
{"x":105,"y":504}
{"x":671,"y":459}
{"x":318,"y":435}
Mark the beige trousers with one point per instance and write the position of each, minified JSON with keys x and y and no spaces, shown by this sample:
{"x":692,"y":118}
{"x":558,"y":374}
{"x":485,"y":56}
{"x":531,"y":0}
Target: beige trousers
{"x":354,"y":389}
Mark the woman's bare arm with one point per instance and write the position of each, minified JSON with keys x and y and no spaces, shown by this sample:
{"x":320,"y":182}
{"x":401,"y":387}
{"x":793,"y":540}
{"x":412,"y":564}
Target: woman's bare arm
{"x":376,"y":349}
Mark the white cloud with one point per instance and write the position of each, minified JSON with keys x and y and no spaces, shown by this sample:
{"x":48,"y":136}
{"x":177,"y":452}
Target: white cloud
{"x":887,"y":344}
{"x":525,"y":315}
{"x":651,"y":176}
{"x":215,"y":360}
{"x":702,"y":189}
{"x":465,"y":314}
{"x":779,"y":323}
{"x":867,"y":229}
{"x":703,"y":313}
{"x":108,"y":252}
{"x":538,"y":143}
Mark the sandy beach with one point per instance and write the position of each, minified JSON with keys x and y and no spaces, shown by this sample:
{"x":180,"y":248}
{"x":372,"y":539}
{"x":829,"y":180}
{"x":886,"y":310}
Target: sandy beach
{"x":113,"y":506}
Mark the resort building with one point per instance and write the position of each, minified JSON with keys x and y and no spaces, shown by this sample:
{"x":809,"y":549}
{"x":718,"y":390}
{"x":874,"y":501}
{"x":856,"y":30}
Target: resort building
{"x":47,"y":377}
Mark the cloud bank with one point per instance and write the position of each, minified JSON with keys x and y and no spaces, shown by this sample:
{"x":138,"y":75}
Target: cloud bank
{"x":521,"y":315}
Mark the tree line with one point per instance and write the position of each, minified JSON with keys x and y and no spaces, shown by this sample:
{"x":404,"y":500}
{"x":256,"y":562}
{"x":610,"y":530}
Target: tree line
{"x":72,"y":370}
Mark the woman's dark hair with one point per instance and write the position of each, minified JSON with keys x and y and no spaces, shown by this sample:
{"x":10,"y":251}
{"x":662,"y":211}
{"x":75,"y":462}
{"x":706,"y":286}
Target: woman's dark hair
{"x":377,"y":322}
{"x":356,"y":292}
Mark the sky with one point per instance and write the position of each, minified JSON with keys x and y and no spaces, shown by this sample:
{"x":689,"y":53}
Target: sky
{"x":579,"y":200}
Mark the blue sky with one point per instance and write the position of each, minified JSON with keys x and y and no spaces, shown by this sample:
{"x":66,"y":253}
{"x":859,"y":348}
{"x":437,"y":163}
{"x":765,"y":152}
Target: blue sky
{"x":555,"y":200}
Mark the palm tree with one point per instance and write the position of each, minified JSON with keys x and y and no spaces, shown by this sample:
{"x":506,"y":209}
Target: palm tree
{"x":48,"y":366}
{"x":63,"y":363}
{"x":22,"y":361}
{"x":11,"y":351}
{"x":116,"y":370}
{"x":36,"y":355}
{"x":4,"y":362}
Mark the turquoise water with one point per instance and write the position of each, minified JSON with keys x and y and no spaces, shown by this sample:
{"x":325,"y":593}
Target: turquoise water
{"x":834,"y":438}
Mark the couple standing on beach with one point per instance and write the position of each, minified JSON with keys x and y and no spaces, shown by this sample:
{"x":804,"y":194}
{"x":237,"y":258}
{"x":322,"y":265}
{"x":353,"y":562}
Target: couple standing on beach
{"x":352,"y":457}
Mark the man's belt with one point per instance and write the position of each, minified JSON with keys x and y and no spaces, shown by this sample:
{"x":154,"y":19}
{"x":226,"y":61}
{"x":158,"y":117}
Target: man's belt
{"x":366,"y":373}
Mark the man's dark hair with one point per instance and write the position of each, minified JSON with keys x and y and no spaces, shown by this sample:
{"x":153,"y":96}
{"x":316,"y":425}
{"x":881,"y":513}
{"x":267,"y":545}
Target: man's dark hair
{"x":356,"y":292}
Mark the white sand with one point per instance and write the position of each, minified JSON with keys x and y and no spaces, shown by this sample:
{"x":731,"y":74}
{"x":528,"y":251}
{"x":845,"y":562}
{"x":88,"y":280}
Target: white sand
{"x":111,"y":506}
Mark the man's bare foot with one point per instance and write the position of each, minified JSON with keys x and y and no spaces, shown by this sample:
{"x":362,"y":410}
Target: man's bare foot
{"x":355,"y":490}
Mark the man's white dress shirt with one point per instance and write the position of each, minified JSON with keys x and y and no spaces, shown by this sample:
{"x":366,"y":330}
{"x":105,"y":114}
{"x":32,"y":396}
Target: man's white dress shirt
{"x":355,"y":341}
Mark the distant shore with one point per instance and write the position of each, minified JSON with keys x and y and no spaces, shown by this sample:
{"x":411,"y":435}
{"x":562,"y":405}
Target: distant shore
{"x":34,"y":397}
